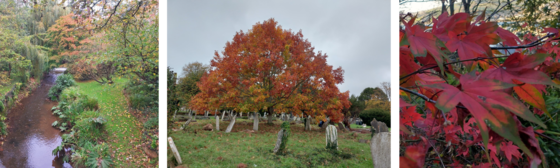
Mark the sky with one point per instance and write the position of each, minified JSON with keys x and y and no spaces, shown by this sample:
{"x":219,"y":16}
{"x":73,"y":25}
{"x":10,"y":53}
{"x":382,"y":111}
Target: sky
{"x":354,"y":34}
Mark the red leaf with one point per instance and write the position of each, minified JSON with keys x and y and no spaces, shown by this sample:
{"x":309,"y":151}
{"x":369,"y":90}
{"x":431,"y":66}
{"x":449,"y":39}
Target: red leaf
{"x":531,"y":95}
{"x":510,"y":150}
{"x":409,"y":115}
{"x":508,"y":38}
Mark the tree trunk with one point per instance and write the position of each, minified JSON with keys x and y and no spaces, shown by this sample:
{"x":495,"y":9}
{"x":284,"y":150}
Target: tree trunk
{"x":452,"y":7}
{"x":342,"y":127}
{"x":230,"y":126}
{"x":324,"y":126}
{"x":467,"y":6}
{"x":175,"y":114}
{"x":256,"y":122}
{"x":217,"y":121}
{"x":223,"y":114}
{"x":307,"y":122}
{"x":443,"y":6}
{"x":187,"y":122}
{"x":271,"y":111}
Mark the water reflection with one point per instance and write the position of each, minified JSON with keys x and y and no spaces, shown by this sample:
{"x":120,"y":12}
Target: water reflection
{"x":31,"y":137}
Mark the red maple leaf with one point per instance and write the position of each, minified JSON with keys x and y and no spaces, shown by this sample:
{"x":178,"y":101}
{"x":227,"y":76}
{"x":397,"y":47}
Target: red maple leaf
{"x":510,"y":150}
{"x":520,"y":67}
{"x":409,"y":115}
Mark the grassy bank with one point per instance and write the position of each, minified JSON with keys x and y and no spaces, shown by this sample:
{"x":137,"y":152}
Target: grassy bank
{"x":367,"y":127}
{"x":199,"y":148}
{"x":123,"y":129}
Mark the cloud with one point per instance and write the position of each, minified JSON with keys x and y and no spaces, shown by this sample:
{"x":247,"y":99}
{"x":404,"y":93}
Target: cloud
{"x":354,"y":34}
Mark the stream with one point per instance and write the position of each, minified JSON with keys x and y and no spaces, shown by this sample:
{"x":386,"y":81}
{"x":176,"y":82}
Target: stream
{"x":31,"y":138}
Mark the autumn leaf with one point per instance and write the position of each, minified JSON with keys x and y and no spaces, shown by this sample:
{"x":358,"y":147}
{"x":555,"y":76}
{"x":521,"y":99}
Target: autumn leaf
{"x":531,"y":95}
{"x":510,"y":150}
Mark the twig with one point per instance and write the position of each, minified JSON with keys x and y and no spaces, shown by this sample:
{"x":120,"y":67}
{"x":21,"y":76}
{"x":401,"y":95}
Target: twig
{"x":437,"y":153}
{"x":435,"y":66}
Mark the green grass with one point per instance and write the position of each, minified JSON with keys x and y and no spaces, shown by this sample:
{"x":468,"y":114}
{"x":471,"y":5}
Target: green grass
{"x":305,"y":148}
{"x":354,"y":126}
{"x":359,"y":126}
{"x":123,"y":129}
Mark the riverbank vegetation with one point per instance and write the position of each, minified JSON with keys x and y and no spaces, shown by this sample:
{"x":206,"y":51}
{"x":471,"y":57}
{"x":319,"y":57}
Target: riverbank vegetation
{"x":110,"y":50}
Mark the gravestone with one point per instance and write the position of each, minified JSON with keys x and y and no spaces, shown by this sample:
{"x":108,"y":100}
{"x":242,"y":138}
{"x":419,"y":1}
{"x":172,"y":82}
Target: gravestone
{"x":174,"y":150}
{"x":282,"y":139}
{"x":217,"y":121}
{"x":378,"y":126}
{"x":332,"y":138}
{"x":380,"y":146}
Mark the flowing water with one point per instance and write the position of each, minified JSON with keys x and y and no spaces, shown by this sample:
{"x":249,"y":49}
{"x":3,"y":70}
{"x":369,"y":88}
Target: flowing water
{"x":31,"y":138}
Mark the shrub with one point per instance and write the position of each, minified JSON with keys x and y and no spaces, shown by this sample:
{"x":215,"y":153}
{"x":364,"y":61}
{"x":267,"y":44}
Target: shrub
{"x":62,"y":82}
{"x":380,"y":115}
{"x":2,"y":108}
{"x":151,"y":123}
{"x":142,"y":95}
{"x":82,"y":69}
{"x":70,"y":94}
{"x":89,"y":127}
{"x":89,"y":103}
{"x":139,"y":101}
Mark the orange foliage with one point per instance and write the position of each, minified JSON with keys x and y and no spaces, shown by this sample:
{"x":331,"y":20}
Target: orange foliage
{"x":272,"y":69}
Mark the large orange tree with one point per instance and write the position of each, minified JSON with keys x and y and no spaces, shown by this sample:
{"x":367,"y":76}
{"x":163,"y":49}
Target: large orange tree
{"x":274,"y":70}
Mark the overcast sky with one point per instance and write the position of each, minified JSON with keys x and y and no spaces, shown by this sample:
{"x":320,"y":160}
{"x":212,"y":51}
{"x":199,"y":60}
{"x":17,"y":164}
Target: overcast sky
{"x":354,"y":34}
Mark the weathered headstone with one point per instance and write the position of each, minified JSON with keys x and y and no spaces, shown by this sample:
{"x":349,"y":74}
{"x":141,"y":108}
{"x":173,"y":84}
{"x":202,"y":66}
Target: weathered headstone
{"x":380,"y":147}
{"x":332,"y":138}
{"x":378,"y":126}
{"x":217,"y":121}
{"x":174,"y":150}
{"x":278,"y":140}
{"x":255,"y":123}
{"x":230,"y":126}
{"x":282,"y":139}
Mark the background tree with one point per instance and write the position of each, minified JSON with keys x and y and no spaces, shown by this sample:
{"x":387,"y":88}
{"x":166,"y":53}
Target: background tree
{"x":373,"y":93}
{"x":264,"y":68}
{"x":186,"y":86}
{"x":386,"y":86}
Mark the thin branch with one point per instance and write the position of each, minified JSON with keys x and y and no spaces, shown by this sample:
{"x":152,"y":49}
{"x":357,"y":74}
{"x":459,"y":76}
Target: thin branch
{"x":532,"y":44}
{"x":497,"y":10}
{"x":437,"y":153}
{"x":110,"y":16}
{"x":435,"y":66}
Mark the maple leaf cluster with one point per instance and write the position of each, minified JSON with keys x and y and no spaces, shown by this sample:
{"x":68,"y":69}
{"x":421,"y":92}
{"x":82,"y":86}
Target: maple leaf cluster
{"x":477,"y":82}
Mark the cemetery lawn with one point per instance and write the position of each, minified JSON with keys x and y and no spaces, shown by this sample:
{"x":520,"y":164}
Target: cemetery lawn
{"x":123,"y":129}
{"x":360,"y":127}
{"x":200,"y":148}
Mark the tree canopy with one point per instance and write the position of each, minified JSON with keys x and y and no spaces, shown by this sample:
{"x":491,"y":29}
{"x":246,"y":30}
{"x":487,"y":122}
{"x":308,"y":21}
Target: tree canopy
{"x":271,"y":68}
